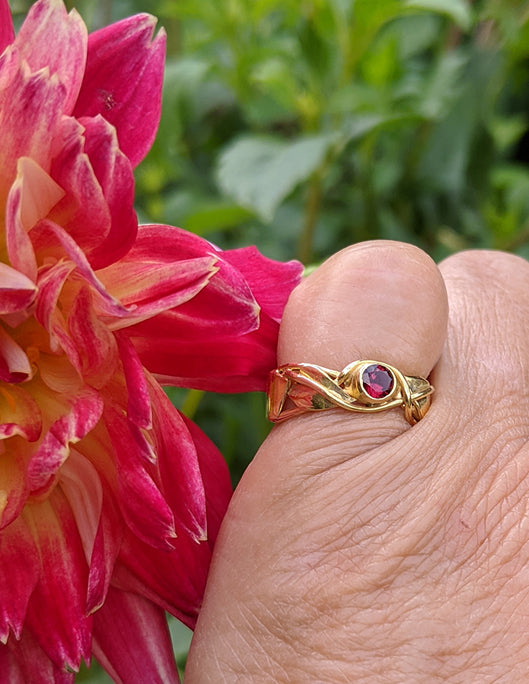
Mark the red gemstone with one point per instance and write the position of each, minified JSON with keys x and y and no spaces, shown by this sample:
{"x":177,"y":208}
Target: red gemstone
{"x":377,"y":381}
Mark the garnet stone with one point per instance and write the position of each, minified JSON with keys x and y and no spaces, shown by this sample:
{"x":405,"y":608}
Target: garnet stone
{"x":377,"y":381}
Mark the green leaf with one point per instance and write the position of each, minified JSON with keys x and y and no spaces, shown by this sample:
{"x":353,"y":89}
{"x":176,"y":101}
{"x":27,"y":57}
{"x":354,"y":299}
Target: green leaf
{"x":343,"y":8}
{"x":360,"y":125}
{"x":439,"y":92}
{"x":314,"y":50}
{"x":183,"y":75}
{"x":216,"y":216}
{"x":416,"y":34}
{"x":511,"y":183}
{"x":452,"y":148}
{"x":457,"y":10}
{"x":369,"y":15}
{"x":368,"y":18}
{"x":507,"y":131}
{"x":181,"y":638}
{"x":380,"y":64}
{"x":260,"y":172}
{"x":274,"y":75}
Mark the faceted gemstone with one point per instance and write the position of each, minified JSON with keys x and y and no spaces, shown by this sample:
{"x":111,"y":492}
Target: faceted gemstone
{"x":377,"y":381}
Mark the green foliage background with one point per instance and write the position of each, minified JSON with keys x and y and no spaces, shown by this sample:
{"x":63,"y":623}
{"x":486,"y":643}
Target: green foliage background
{"x":302,"y":126}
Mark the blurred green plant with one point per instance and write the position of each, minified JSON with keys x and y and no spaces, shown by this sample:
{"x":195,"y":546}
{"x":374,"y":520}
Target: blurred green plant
{"x":305,"y":126}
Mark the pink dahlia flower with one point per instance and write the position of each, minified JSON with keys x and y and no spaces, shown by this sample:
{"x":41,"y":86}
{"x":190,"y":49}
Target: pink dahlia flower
{"x":110,"y":500}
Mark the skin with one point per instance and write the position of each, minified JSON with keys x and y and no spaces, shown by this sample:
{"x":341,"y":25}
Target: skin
{"x":359,"y":549}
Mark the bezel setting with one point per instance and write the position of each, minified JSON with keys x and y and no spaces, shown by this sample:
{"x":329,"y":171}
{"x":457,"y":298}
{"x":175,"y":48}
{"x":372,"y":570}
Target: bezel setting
{"x":351,"y":379}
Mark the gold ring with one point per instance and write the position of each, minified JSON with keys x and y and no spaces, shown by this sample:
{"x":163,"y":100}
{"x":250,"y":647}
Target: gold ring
{"x":362,"y":386}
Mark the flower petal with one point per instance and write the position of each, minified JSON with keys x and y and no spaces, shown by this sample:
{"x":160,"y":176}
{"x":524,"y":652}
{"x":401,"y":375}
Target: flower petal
{"x":114,"y":174}
{"x":51,"y":239}
{"x":105,"y":552}
{"x":17,"y":291}
{"x":225,"y":305}
{"x":9,"y":667}
{"x":19,"y":247}
{"x":19,"y":414}
{"x":72,"y":170}
{"x":271,"y":282}
{"x":99,"y":523}
{"x":123,"y":82}
{"x":50,"y":282}
{"x":178,"y":463}
{"x":19,"y":573}
{"x":143,"y":506}
{"x":139,"y":401}
{"x":215,"y":476}
{"x":226,"y":312}
{"x":30,"y":121}
{"x":150,"y":287}
{"x":39,"y":192}
{"x":154,"y":276}
{"x":31,"y":663}
{"x":14,"y":490}
{"x":47,"y":23}
{"x":9,"y":65}
{"x":31,"y":197}
{"x":56,"y":612}
{"x":58,"y":374}
{"x":84,"y":413}
{"x":95,"y":344}
{"x":14,"y":363}
{"x":7,"y":33}
{"x":127,"y":620}
{"x":174,"y":580}
{"x":175,"y":353}
{"x":82,"y":488}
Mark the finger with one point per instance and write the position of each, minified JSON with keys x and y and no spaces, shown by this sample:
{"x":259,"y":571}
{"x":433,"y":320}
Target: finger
{"x":377,"y":300}
{"x":306,"y":502}
{"x":488,"y":346}
{"x":483,"y":395}
{"x":414,"y":557}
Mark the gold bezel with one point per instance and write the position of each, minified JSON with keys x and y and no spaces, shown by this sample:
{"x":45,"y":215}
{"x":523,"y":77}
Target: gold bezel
{"x":351,"y":381}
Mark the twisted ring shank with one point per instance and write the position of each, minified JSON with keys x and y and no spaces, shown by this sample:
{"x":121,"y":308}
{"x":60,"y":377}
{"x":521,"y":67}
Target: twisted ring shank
{"x":362,"y":386}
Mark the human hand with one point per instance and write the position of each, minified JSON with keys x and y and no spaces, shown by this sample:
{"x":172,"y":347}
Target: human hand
{"x":358,"y":549}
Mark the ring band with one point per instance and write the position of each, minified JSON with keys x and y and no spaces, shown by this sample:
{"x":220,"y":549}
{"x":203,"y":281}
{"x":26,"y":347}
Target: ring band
{"x":362,"y":386}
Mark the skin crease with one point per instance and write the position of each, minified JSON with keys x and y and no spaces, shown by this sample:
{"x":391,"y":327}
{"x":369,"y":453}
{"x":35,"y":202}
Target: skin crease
{"x":358,"y":549}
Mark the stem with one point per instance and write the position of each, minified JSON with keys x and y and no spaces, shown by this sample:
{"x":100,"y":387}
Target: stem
{"x":107,"y":13}
{"x":174,"y":37}
{"x":312,"y":210}
{"x":517,"y":241}
{"x":191,"y":403}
